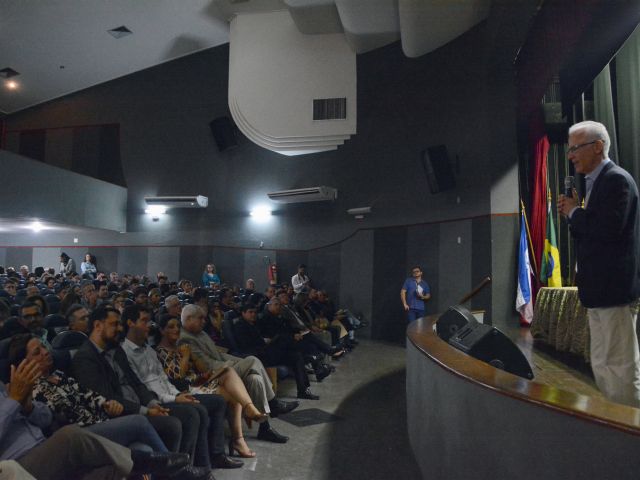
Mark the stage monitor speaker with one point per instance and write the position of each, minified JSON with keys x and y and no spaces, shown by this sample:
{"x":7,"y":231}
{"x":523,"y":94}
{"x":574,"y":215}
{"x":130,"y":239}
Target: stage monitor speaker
{"x":454,"y":319}
{"x":490,"y":345}
{"x":223,"y":132}
{"x":437,"y":166}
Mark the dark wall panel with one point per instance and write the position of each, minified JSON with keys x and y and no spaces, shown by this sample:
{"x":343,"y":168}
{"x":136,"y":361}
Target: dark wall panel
{"x":481,"y":266}
{"x":288,"y":261}
{"x":230,"y":265}
{"x":356,"y":275}
{"x":133,"y":260}
{"x":256,"y":267}
{"x":324,"y":270}
{"x":167,"y":261}
{"x":193,"y":260}
{"x":107,"y":258}
{"x":19,"y":256}
{"x":456,"y":242}
{"x":504,"y":231}
{"x":388,"y":320}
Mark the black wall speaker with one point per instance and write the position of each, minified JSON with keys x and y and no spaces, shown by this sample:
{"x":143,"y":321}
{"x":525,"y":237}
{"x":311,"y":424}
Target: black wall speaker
{"x":490,"y":345}
{"x":223,"y":132}
{"x":454,"y":319}
{"x":437,"y":166}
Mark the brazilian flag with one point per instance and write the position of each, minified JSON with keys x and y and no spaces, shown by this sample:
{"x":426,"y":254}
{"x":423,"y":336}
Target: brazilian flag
{"x":550,"y":272}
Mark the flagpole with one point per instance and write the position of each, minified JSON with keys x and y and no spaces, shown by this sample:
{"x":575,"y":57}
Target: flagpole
{"x":526,"y":224}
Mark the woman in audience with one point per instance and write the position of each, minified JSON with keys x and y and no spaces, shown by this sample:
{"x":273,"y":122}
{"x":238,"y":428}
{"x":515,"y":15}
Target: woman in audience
{"x":210,"y":277}
{"x":73,"y":404}
{"x":67,"y":264}
{"x":188,"y":374}
{"x":88,"y":267}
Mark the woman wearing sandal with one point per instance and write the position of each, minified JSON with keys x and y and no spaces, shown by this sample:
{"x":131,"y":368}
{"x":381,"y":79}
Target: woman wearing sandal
{"x":189,"y":375}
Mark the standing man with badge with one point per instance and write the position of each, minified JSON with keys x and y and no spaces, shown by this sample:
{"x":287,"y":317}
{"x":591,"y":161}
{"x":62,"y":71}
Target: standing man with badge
{"x":414,"y":293}
{"x":607,"y":235}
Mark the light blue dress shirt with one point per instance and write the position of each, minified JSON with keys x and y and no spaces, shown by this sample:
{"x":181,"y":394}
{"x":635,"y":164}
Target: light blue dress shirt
{"x":20,"y":433}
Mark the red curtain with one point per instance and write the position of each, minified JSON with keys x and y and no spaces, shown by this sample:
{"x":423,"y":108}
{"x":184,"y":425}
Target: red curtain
{"x":539,"y":149}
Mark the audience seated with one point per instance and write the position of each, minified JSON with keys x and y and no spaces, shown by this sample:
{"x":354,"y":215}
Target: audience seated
{"x":210,"y":407}
{"x":173,"y":397}
{"x":72,"y":452}
{"x":72,"y":404}
{"x":101,"y":365}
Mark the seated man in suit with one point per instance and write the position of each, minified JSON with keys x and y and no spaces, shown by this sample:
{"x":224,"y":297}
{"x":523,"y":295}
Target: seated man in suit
{"x":249,"y":369}
{"x":278,"y":350}
{"x":144,"y":362}
{"x":71,"y":452}
{"x":101,"y":365}
{"x":272,"y":323}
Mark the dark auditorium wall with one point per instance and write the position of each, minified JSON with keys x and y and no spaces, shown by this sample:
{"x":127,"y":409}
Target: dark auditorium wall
{"x":461,"y":95}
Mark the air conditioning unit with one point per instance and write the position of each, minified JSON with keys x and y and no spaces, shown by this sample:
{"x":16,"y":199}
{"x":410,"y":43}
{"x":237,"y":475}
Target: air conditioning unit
{"x":300,"y":195}
{"x":179,"y":201}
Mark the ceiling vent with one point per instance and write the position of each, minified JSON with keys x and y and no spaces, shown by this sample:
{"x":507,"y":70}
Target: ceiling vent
{"x":329,"y":108}
{"x":8,"y":73}
{"x":301,"y":195}
{"x":197,"y":201}
{"x":119,"y":32}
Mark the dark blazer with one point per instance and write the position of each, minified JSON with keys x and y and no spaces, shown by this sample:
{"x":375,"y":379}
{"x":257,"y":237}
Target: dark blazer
{"x":271,"y":325}
{"x":248,"y":338}
{"x":607,"y":234}
{"x":94,"y":372}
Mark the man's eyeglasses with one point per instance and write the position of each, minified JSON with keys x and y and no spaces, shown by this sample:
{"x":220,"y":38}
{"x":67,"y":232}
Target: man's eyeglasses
{"x":575,"y":148}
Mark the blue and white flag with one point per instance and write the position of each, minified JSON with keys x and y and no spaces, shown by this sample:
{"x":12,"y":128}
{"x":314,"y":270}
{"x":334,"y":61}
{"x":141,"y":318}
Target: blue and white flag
{"x":523,"y":297}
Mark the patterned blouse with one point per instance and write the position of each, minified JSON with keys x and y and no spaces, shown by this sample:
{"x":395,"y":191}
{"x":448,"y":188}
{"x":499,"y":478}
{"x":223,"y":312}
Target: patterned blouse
{"x":170,"y":360}
{"x":66,"y":397}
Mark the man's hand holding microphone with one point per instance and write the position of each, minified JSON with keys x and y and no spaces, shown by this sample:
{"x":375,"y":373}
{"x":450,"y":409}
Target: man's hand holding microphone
{"x":569,"y":199}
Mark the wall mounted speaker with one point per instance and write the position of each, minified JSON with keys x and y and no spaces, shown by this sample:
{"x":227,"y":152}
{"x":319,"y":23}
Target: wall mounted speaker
{"x":490,"y":345}
{"x":223,"y":131}
{"x":437,"y":166}
{"x":454,"y":319}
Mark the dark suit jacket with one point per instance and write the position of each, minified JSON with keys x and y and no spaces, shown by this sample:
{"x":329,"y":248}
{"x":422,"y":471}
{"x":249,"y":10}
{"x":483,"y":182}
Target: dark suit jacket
{"x":271,"y":325}
{"x":607,"y":234}
{"x":94,"y":372}
{"x":248,"y":338}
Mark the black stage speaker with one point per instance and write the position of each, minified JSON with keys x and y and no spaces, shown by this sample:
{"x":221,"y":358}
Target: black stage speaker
{"x":454,"y":319}
{"x":490,"y":345}
{"x":223,"y":133}
{"x":437,"y":166}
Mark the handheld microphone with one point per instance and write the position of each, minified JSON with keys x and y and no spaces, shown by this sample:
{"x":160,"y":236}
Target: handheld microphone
{"x":568,"y":186}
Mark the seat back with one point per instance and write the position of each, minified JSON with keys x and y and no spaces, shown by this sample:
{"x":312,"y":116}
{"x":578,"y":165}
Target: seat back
{"x":4,"y":360}
{"x":68,"y":340}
